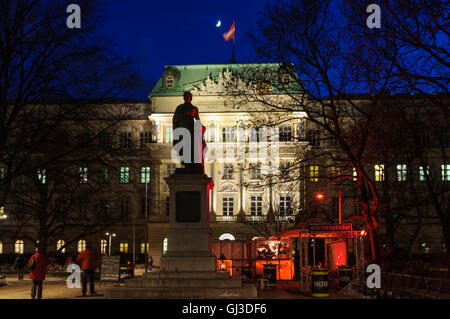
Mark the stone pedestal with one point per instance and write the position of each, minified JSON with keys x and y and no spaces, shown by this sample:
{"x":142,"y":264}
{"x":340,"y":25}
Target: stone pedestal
{"x":188,"y":269}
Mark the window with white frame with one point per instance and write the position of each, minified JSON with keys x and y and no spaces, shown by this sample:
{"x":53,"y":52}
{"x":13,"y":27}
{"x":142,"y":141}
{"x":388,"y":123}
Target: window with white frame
{"x":379,"y":172}
{"x":256,"y":205}
{"x":285,"y":133}
{"x":401,"y":172}
{"x":228,"y":134}
{"x":19,"y":247}
{"x":445,"y":172}
{"x":228,"y":171}
{"x":285,"y":205}
{"x":227,"y":205}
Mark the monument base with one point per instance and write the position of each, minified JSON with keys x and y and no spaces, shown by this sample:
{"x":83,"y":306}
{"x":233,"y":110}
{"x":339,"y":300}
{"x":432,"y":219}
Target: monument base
{"x":184,"y":285}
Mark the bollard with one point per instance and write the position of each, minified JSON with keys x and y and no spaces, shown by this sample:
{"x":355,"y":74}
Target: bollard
{"x":319,"y":283}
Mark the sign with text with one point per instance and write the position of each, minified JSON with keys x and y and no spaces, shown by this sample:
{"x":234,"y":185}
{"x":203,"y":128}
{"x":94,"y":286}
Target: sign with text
{"x":110,"y":268}
{"x":330,"y":227}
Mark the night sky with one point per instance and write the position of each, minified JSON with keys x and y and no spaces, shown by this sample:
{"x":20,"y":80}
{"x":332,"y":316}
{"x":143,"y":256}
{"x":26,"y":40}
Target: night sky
{"x":157,"y":33}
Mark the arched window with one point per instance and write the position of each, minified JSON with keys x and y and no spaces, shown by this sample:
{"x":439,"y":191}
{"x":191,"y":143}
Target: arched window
{"x":164,"y":246}
{"x":81,"y":245}
{"x":59,"y":244}
{"x":226,"y":236}
{"x":19,"y":247}
{"x":124,"y":247}
{"x":103,"y":244}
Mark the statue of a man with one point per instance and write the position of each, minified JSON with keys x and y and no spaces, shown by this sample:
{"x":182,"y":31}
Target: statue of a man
{"x":185,"y":116}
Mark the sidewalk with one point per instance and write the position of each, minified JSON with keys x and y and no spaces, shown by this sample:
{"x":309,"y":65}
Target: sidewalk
{"x":56,"y":288}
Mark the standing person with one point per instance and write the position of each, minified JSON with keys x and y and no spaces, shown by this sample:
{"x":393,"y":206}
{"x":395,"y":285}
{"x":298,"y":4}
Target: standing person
{"x":88,"y":260}
{"x":150,"y":262}
{"x":19,"y":265}
{"x":38,"y":264}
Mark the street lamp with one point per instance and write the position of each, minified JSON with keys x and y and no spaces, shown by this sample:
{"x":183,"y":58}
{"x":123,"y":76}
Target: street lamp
{"x":110,"y":237}
{"x":339,"y":195}
{"x":3,"y":217}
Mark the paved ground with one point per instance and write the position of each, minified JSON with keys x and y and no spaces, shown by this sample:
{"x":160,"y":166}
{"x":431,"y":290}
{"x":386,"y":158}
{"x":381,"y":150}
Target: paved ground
{"x":56,"y":288}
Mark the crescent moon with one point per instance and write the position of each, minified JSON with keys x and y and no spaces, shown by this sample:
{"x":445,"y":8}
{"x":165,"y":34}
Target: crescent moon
{"x":219,"y":23}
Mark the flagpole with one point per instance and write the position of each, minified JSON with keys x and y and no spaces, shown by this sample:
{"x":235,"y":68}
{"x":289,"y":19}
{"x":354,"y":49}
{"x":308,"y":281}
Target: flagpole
{"x":233,"y":58}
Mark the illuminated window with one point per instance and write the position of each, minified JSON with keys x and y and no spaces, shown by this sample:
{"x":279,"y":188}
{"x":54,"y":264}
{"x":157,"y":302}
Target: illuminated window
{"x":228,"y":134}
{"x":226,"y":236}
{"x":145,"y":175}
{"x":424,"y":172}
{"x":124,"y":247}
{"x":1,"y":247}
{"x":105,"y":175}
{"x":401,"y":172}
{"x":379,"y":172}
{"x":81,"y":245}
{"x":59,"y":244}
{"x":212,"y":132}
{"x":124,"y":175}
{"x":19,"y":247}
{"x":445,"y":172}
{"x":83,"y":174}
{"x":2,"y":172}
{"x":227,"y":205}
{"x":169,"y":135}
{"x":143,"y":248}
{"x":103,"y":245}
{"x":42,"y":176}
{"x":314,"y":173}
{"x":335,"y":171}
{"x":256,"y":205}
{"x":164,"y":246}
{"x":355,"y":174}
